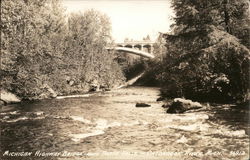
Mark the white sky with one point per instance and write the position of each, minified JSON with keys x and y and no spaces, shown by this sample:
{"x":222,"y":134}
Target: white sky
{"x":133,"y":19}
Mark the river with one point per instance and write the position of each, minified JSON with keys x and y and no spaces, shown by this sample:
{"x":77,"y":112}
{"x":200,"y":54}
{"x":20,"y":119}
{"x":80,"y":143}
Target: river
{"x":107,"y":125}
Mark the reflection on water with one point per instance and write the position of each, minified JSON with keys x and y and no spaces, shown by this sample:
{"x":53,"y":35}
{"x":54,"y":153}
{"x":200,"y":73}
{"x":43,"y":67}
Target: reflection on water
{"x":108,"y":125}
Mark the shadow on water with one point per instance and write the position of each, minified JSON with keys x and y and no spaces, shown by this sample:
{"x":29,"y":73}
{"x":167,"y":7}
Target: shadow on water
{"x":235,"y":116}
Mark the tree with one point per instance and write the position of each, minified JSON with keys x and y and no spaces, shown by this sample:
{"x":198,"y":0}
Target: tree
{"x":207,"y":57}
{"x":231,"y":16}
{"x":147,"y":38}
{"x":40,"y":48}
{"x":89,"y":34}
{"x":32,"y":42}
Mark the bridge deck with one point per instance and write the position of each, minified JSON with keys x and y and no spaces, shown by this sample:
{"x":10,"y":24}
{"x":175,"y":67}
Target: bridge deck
{"x":133,"y":51}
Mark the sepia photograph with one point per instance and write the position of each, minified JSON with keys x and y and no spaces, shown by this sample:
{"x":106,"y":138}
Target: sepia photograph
{"x":125,"y":80}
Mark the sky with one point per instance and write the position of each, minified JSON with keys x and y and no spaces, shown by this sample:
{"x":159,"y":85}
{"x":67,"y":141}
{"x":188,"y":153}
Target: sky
{"x":133,"y":19}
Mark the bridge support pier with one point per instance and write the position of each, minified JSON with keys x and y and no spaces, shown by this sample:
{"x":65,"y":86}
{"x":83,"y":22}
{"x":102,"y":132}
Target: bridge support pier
{"x":141,"y":48}
{"x":151,"y":48}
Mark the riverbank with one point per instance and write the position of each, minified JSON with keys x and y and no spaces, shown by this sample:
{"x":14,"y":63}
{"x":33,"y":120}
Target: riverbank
{"x":48,"y":93}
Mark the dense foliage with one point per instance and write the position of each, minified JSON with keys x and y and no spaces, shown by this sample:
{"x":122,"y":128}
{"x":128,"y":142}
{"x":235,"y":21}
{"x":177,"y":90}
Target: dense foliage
{"x":154,"y":67}
{"x":208,"y":54}
{"x":41,"y":47}
{"x":132,"y":65}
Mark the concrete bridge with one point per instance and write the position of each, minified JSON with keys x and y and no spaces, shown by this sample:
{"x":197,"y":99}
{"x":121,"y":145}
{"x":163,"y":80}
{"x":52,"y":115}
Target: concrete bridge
{"x":141,"y":48}
{"x":145,"y":45}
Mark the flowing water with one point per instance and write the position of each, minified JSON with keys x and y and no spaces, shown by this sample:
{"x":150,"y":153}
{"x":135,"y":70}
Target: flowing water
{"x":109,"y":126}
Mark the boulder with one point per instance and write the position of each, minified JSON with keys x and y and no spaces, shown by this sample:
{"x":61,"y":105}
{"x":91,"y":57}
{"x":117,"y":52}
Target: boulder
{"x":2,"y":103}
{"x":176,"y":107}
{"x":52,"y":92}
{"x":142,"y":105}
{"x":8,"y":97}
{"x":165,"y":105}
{"x":188,"y":102}
{"x":180,"y":105}
{"x":94,"y":86}
{"x":160,"y":99}
{"x":48,"y":92}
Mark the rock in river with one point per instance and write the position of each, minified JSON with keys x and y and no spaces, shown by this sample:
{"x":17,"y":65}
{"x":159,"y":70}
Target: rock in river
{"x":2,"y":103}
{"x":48,"y":92}
{"x":180,"y":105}
{"x":142,"y":105}
{"x":160,"y":99}
{"x":8,"y":97}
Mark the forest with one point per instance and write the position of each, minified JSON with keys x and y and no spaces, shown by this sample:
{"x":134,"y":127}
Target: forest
{"x":44,"y":49}
{"x":205,"y":57}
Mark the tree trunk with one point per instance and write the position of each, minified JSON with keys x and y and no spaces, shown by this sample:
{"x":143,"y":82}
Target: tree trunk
{"x":226,"y":16}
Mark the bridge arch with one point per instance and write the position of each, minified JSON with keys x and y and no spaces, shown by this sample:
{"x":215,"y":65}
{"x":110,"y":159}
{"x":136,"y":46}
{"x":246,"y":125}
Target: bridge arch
{"x":119,"y":45}
{"x":132,"y":51}
{"x":138,"y":47}
{"x":129,"y":46}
